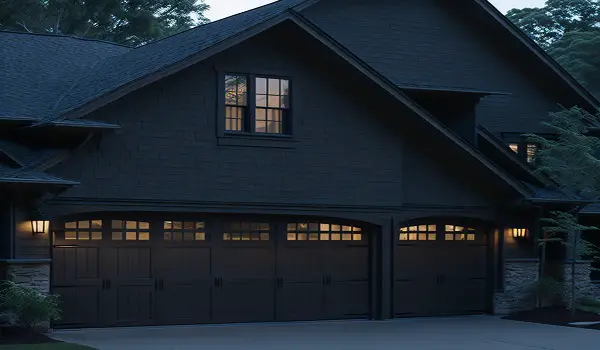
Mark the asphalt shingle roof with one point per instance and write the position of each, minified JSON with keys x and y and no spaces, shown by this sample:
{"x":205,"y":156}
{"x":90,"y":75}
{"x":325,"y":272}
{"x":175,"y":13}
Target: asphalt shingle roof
{"x":11,"y":175}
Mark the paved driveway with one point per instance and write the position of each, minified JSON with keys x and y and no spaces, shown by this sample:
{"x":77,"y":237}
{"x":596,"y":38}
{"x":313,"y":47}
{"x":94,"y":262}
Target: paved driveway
{"x":464,"y":333}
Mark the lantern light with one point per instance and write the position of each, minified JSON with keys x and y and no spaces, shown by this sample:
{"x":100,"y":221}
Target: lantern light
{"x":39,"y":226}
{"x":519,"y":233}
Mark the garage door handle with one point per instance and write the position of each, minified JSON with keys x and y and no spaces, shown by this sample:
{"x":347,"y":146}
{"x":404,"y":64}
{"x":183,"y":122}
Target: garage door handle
{"x":107,"y":284}
{"x":103,"y":284}
{"x":161,"y":284}
{"x":155,"y":284}
{"x":328,"y":280}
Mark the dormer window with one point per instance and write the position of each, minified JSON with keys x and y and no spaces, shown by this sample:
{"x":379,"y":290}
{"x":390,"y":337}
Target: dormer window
{"x":525,"y":151}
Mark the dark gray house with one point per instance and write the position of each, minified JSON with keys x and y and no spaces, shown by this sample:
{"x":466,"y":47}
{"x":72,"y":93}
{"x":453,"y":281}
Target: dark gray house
{"x":304,"y":160}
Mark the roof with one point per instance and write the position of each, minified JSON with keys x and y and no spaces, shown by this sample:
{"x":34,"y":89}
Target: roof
{"x":13,"y":176}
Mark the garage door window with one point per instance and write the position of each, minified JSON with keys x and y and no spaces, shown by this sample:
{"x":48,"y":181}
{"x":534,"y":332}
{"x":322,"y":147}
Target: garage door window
{"x":322,"y":232}
{"x":130,"y":230}
{"x":83,"y":230}
{"x":247,"y":231}
{"x":459,"y":233}
{"x":184,"y":231}
{"x":418,"y":233}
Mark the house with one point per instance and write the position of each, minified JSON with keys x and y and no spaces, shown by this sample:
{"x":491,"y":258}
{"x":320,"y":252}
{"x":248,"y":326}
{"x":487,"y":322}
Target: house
{"x":304,"y":160}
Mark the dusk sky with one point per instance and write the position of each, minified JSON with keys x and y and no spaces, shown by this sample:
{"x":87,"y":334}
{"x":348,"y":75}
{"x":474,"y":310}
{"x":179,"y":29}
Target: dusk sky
{"x":224,"y":8}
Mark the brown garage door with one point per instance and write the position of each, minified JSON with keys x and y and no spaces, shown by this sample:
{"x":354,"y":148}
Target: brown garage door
{"x":440,"y":270}
{"x":121,"y":272}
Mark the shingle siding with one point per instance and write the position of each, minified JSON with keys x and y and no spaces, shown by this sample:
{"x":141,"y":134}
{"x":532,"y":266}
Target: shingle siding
{"x":349,"y":151}
{"x":425,"y":42}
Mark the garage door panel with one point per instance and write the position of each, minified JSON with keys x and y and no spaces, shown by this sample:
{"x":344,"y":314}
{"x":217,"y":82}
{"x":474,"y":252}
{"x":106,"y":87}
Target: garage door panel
{"x":134,"y":305}
{"x":71,"y":264}
{"x":129,"y":262}
{"x":347,"y":299}
{"x":347,"y":263}
{"x":187,"y":263}
{"x":238,"y":301}
{"x":300,"y":263}
{"x":414,"y":299}
{"x":243,"y":263}
{"x":184,"y":302}
{"x":298,"y":301}
{"x":80,"y":305}
{"x":414,"y":261}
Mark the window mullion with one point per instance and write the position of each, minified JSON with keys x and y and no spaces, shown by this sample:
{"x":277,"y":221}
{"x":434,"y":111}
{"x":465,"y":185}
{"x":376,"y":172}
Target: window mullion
{"x":251,"y":104}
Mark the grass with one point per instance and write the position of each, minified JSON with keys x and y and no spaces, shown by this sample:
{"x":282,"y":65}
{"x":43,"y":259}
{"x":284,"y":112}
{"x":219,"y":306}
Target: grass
{"x":45,"y":346}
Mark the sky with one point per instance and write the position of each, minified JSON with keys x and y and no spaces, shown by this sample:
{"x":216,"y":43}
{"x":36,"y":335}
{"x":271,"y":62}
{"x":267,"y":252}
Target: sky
{"x":224,"y":8}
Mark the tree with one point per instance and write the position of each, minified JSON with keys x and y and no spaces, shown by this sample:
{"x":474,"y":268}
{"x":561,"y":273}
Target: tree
{"x":569,"y":30}
{"x":570,"y":161}
{"x":131,"y":22}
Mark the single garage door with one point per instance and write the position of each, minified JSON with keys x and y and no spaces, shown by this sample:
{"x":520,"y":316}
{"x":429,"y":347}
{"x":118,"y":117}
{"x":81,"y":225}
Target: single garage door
{"x":440,"y":270}
{"x":122,"y":272}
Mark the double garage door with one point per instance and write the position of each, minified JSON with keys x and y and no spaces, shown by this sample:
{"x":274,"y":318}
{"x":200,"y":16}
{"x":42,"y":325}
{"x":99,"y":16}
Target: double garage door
{"x":122,"y":272}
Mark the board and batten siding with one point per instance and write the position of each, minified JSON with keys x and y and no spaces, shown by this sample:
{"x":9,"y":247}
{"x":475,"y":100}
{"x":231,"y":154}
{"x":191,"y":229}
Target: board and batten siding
{"x":349,"y":148}
{"x":434,"y":43}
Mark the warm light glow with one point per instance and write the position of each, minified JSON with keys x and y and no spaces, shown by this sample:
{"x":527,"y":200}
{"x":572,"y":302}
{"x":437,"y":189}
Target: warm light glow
{"x":39,"y":226}
{"x":519,"y":233}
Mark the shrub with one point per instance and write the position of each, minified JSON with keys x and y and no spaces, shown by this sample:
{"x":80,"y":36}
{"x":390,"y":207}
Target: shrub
{"x":588,"y":305}
{"x":548,"y":291}
{"x":26,"y":306}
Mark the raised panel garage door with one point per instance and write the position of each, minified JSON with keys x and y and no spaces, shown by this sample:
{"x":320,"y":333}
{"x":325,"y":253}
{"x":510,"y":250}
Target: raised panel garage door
{"x":189,"y":272}
{"x":440,"y":270}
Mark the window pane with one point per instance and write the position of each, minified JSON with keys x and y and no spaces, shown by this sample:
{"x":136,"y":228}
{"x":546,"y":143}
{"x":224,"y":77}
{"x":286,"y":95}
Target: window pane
{"x":131,"y":236}
{"x":117,"y":236}
{"x":274,"y":128}
{"x":131,"y":225}
{"x":167,"y":236}
{"x":514,"y":147}
{"x":84,"y":224}
{"x":261,"y":126}
{"x":261,"y":114}
{"x":357,"y":237}
{"x":117,"y":224}
{"x":84,"y":236}
{"x":285,"y":101}
{"x":70,"y":235}
{"x":404,"y":236}
{"x":144,"y":236}
{"x":261,"y":86}
{"x":200,"y":236}
{"x":96,"y":235}
{"x":431,"y":236}
{"x":168,"y":225}
{"x":285,"y":87}
{"x":264,"y":236}
{"x":261,"y":100}
{"x":144,"y":225}
{"x":96,"y":224}
{"x":199,"y":225}
{"x":71,"y":224}
{"x":335,"y":237}
{"x":274,"y":101}
{"x":291,"y":236}
{"x":324,"y":236}
{"x":189,"y":225}
{"x":273,"y":86}
{"x":188,"y":236}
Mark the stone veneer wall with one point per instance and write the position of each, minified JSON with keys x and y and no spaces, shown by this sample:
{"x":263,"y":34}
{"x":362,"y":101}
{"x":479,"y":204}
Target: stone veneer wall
{"x":519,"y":275}
{"x":30,"y":273}
{"x":583,"y":284}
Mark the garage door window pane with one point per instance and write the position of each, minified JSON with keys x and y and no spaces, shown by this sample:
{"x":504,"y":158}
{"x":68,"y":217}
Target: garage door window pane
{"x":418,"y":233}
{"x":322,"y":232}
{"x":246,"y":231}
{"x":144,"y":236}
{"x":459,"y":233}
{"x":130,"y":230}
{"x":188,"y":231}
{"x":83,"y":230}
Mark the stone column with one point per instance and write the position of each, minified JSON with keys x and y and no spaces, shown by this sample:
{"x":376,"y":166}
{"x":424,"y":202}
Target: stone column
{"x":519,"y":276}
{"x":583,"y":285}
{"x":33,"y":273}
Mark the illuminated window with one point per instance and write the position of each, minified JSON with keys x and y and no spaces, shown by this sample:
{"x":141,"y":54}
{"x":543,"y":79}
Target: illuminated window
{"x":247,"y":231}
{"x":83,"y":230}
{"x":184,"y":231}
{"x":458,"y":233}
{"x":514,"y":147}
{"x":323,"y":232}
{"x":531,"y":152}
{"x":236,"y":102}
{"x":272,"y":105}
{"x":130,"y":230}
{"x":418,"y":233}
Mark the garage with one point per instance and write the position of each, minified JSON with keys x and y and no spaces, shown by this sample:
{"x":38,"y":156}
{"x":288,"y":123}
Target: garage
{"x":169,"y":272}
{"x":440,"y":269}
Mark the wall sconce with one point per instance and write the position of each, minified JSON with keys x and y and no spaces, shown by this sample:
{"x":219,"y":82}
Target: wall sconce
{"x":519,"y":234}
{"x":39,"y":226}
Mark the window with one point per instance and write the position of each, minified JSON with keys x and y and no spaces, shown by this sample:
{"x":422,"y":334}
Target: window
{"x":236,"y":102}
{"x":514,"y":147}
{"x":459,"y":233}
{"x":267,"y":113}
{"x":531,"y":152}
{"x":83,"y":230}
{"x":247,"y":231}
{"x":418,"y":233}
{"x":130,"y":230}
{"x":184,"y":231}
{"x":272,"y":103}
{"x":322,"y":232}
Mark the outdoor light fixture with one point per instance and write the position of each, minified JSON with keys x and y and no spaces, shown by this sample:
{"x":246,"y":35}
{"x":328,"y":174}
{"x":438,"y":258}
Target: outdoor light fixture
{"x":39,"y":226}
{"x":519,"y":233}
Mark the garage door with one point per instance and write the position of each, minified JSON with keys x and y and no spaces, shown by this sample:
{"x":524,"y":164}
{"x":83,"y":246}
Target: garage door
{"x":440,"y":270}
{"x":120,"y":272}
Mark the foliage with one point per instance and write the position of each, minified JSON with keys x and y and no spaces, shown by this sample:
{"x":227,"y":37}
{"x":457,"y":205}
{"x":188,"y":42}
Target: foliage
{"x":588,"y":304}
{"x":570,"y":158}
{"x":131,"y":22}
{"x":569,"y":30}
{"x":27,"y":306}
{"x":548,"y":292}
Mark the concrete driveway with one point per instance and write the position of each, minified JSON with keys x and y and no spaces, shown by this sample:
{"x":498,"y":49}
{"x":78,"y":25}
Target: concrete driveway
{"x":464,"y":333}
